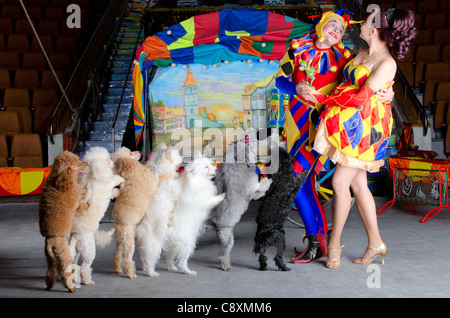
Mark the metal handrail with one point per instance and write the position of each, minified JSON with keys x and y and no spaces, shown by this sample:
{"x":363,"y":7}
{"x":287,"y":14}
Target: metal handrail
{"x":80,"y":62}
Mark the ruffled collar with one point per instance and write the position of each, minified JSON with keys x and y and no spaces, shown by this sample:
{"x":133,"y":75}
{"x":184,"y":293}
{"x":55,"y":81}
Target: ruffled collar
{"x":323,"y":60}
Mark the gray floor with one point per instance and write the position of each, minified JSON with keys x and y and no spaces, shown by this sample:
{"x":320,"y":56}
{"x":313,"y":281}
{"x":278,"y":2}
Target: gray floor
{"x":417,"y":264}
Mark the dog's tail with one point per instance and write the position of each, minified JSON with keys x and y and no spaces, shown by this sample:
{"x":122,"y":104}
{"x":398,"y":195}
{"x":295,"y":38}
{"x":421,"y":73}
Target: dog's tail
{"x":102,"y":238}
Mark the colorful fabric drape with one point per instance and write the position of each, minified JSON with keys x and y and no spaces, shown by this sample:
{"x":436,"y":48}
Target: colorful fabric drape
{"x":226,"y":35}
{"x":138,"y":103}
{"x":17,"y":181}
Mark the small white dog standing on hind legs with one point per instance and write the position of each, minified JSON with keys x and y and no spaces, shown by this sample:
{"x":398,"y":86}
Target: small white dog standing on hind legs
{"x":99,"y":181}
{"x":198,"y":197}
{"x":151,"y":232}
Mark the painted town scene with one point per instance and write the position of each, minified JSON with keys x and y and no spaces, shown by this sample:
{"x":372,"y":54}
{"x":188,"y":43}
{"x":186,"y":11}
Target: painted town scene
{"x":208,"y":106}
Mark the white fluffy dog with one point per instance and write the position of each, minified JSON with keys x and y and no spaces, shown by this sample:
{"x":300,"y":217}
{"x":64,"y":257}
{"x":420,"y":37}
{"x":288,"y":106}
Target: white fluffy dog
{"x":151,"y":233}
{"x":99,"y":181}
{"x":198,"y":197}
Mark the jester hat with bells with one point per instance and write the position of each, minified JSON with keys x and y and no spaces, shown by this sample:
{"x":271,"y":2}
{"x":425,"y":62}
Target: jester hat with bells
{"x":328,"y":16}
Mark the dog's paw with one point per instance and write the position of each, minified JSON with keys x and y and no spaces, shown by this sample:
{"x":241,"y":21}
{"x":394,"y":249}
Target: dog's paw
{"x":264,"y":184}
{"x":71,"y":290}
{"x":82,"y":206}
{"x":115,"y":193}
{"x":172,"y":268}
{"x":225,"y":266}
{"x":153,"y":274}
{"x":191,"y":273}
{"x":221,"y":197}
{"x":132,"y":276}
{"x":89,"y":282}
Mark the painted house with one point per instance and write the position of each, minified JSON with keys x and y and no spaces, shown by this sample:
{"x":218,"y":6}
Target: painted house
{"x":255,"y":102}
{"x":167,"y":119}
{"x":238,"y":120}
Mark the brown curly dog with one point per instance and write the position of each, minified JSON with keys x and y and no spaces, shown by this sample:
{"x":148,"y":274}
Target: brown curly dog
{"x":59,"y":200}
{"x":131,"y":206}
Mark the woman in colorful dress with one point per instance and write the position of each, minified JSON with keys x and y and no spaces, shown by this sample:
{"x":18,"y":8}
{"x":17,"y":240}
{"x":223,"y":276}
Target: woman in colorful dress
{"x":355,"y":126}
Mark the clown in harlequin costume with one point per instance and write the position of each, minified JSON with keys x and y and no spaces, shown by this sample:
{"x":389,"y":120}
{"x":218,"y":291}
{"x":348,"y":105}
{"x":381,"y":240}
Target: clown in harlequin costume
{"x":323,"y":50}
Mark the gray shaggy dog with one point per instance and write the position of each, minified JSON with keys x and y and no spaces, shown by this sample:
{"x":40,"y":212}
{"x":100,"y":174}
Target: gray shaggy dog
{"x":275,"y":208}
{"x":238,"y":178}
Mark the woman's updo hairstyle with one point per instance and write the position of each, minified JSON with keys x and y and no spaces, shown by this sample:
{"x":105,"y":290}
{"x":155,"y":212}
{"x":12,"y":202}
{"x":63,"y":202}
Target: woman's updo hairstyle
{"x":397,"y":30}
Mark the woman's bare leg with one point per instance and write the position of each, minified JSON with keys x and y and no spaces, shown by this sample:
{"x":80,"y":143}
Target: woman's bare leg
{"x":342,"y":179}
{"x":367,"y":210}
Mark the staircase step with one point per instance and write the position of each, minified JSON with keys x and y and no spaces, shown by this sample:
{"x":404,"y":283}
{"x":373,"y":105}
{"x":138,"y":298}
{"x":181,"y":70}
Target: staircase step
{"x":106,"y":135}
{"x":120,"y":70}
{"x":121,"y":63}
{"x":116,"y":99}
{"x":123,"y":57}
{"x":106,"y":125}
{"x":126,"y":46}
{"x":121,"y":77}
{"x":117,"y":91}
{"x":120,"y":84}
{"x":111,"y":108}
{"x":128,"y":34}
{"x":85,"y":145}
{"x":123,"y":115}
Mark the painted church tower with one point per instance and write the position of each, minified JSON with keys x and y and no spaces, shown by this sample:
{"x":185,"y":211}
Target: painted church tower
{"x":190,"y":99}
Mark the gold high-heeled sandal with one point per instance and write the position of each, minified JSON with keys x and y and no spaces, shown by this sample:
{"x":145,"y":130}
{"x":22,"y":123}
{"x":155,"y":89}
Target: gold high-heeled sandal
{"x":335,"y":262}
{"x":380,"y":251}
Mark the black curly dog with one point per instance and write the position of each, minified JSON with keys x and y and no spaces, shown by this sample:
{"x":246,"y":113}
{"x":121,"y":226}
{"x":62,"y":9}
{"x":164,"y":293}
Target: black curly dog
{"x":275,"y":208}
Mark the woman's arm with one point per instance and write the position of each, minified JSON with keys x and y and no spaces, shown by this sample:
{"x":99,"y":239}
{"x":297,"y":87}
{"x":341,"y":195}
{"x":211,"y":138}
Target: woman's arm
{"x":384,"y":73}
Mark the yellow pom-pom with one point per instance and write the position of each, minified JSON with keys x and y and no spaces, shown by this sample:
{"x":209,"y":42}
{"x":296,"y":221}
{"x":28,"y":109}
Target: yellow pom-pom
{"x":333,"y":68}
{"x":295,"y":45}
{"x":346,"y":54}
{"x":341,"y":45}
{"x":308,"y":148}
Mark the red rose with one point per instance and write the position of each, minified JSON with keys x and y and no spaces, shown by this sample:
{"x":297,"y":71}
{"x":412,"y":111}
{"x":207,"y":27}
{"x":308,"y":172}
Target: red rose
{"x":305,"y":57}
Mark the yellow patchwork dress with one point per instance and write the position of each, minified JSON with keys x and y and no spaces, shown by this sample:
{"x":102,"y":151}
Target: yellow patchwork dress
{"x":355,"y":136}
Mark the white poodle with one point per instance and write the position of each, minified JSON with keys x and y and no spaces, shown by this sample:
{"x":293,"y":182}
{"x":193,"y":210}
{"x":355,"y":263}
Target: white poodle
{"x":99,"y":181}
{"x":151,"y":233}
{"x":198,"y":197}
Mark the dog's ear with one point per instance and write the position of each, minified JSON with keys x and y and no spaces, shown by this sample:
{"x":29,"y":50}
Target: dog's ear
{"x":95,"y":170}
{"x":110,"y":162}
{"x":82,"y":164}
{"x":135,"y":155}
{"x":168,"y":153}
{"x":119,"y":165}
{"x":63,"y":178}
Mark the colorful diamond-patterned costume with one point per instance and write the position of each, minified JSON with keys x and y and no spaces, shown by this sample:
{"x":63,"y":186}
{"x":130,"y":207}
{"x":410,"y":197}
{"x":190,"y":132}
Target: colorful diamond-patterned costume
{"x":328,"y":64}
{"x":355,"y":126}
